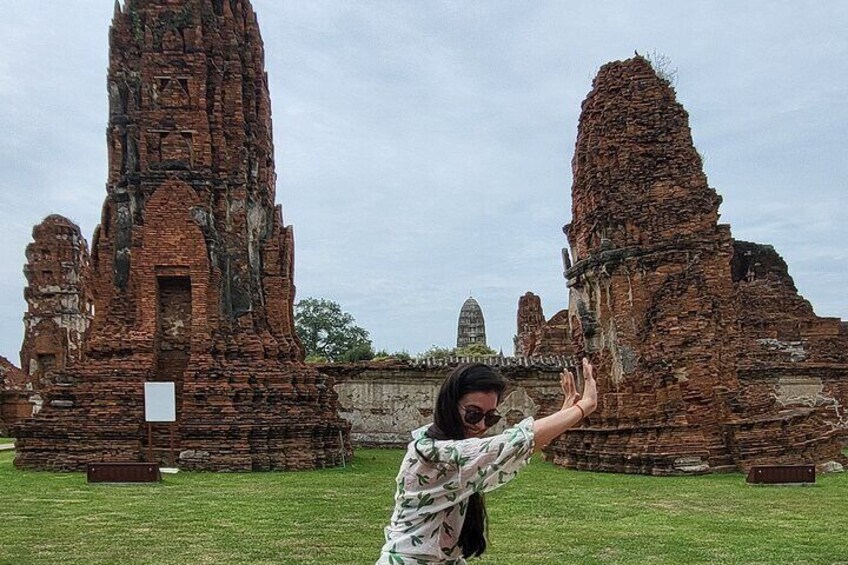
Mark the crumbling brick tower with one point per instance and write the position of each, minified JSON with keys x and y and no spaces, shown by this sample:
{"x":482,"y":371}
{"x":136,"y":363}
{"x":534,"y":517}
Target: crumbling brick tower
{"x":192,"y":264}
{"x":656,"y":291}
{"x":650,"y":287}
{"x":60,"y":303}
{"x":529,"y":322}
{"x":536,"y":336}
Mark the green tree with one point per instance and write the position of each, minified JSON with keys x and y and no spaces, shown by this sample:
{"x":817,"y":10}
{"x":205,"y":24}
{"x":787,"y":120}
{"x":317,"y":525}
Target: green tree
{"x":436,"y":352}
{"x":359,"y":352}
{"x":475,"y":350}
{"x":329,"y":333}
{"x":472,"y":350}
{"x":382,"y":355}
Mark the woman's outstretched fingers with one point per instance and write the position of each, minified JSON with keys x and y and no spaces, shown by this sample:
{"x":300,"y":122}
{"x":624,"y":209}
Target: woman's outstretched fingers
{"x":588,"y":370}
{"x":566,"y":381}
{"x":569,"y":389}
{"x":590,"y":387}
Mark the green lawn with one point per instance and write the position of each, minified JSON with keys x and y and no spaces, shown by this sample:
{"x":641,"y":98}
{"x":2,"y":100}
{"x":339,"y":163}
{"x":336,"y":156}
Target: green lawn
{"x":7,"y":440}
{"x":547,"y":515}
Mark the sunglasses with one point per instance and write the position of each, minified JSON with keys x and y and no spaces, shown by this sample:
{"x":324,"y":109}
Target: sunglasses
{"x":474,"y":415}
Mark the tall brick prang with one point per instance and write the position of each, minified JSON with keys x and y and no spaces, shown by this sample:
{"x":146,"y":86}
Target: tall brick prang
{"x":654,"y":303}
{"x":192,"y":265}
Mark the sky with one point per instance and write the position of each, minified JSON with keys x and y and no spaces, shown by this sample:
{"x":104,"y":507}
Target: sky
{"x":423,"y":149}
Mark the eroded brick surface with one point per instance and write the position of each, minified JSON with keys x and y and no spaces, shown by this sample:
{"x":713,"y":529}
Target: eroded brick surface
{"x":793,"y":363}
{"x":690,"y":336}
{"x":192,"y":266}
{"x":15,"y":394}
{"x":11,"y":377}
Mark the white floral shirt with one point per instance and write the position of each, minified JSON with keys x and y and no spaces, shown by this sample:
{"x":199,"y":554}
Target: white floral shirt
{"x":432,"y":491}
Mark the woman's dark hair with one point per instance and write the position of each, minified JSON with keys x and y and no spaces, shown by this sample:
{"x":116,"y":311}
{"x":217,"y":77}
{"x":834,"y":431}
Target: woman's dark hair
{"x":447,"y":424}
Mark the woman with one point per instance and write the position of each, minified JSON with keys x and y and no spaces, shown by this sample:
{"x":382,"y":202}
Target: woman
{"x":439,"y":514}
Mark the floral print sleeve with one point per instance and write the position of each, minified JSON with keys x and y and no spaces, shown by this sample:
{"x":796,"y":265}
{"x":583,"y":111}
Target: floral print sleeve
{"x":434,"y":484}
{"x":497,"y":460}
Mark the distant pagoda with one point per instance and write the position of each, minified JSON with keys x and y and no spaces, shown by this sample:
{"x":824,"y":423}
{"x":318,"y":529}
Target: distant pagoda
{"x":472,"y":327}
{"x":192,"y":266}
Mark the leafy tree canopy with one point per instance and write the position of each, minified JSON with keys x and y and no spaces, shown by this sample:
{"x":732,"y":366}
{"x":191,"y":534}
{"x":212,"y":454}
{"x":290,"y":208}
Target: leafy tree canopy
{"x":436,"y":352}
{"x":330,"y":334}
{"x":475,"y":350}
{"x":472,"y":350}
{"x":383,"y":355}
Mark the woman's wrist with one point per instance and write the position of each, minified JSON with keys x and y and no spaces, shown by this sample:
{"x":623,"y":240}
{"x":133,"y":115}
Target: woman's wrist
{"x":586,"y":406}
{"x":580,"y":408}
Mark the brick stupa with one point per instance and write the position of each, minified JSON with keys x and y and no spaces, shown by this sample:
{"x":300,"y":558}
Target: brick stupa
{"x":191,"y":264}
{"x":654,"y":302}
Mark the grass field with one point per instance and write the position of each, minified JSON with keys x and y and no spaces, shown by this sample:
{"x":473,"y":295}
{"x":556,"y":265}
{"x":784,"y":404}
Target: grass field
{"x":547,"y":515}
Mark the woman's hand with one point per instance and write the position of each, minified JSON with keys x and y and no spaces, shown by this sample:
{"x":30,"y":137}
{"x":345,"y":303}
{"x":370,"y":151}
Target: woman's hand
{"x":569,"y":389}
{"x":546,"y":429}
{"x":590,"y":388}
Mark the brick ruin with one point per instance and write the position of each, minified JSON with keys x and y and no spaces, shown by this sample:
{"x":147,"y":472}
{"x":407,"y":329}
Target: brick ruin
{"x":60,"y":306}
{"x":191,"y":265}
{"x":15,"y":395}
{"x":707,"y":357}
{"x":60,"y":302}
{"x":794,"y":363}
{"x":536,"y":336}
{"x":471,"y":327}
{"x":12,"y":378}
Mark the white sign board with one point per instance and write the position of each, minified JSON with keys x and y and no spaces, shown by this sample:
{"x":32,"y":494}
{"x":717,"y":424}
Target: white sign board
{"x":160,"y":402}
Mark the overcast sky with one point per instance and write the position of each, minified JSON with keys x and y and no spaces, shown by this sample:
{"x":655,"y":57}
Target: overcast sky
{"x":424,"y":148}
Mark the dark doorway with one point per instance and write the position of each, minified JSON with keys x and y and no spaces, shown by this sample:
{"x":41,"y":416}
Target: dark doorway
{"x":173,"y":350}
{"x":173,"y":331}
